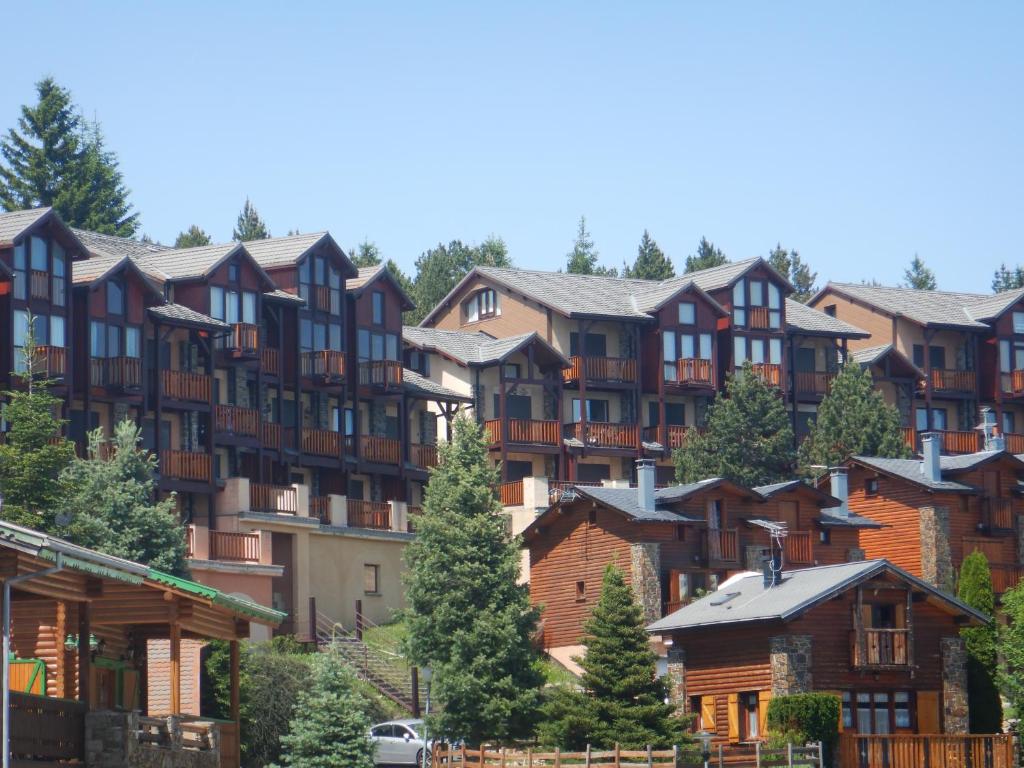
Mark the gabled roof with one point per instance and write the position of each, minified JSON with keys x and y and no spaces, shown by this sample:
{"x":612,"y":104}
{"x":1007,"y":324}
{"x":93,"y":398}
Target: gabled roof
{"x":745,"y":599}
{"x":910,"y":470}
{"x":942,"y":309}
{"x":286,"y":251}
{"x":112,"y":245}
{"x":991,"y":307}
{"x":96,"y":269}
{"x":178,"y":314}
{"x":14,"y":224}
{"x":285,"y":296}
{"x":790,"y":486}
{"x":625,"y":500}
{"x":423,"y":387}
{"x":811,"y":322}
{"x":968,"y":461}
{"x":724,"y":275}
{"x":368,"y":275}
{"x":190,"y":263}
{"x":475,"y":348}
{"x":876,"y":356}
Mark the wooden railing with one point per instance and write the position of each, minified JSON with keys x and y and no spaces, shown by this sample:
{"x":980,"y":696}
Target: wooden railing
{"x":1000,"y":514}
{"x":325,"y":363}
{"x":909,"y":437}
{"x":511,"y":494}
{"x":950,"y":380}
{"x":880,"y":648}
{"x":691,"y":370}
{"x":721,"y":545}
{"x":601,"y":369}
{"x":464,"y":757}
{"x":321,"y":442}
{"x":530,"y":431}
{"x":320,"y":508}
{"x":282,"y":499}
{"x":270,"y":361}
{"x":243,"y":339}
{"x":672,"y":436}
{"x":769,"y":373}
{"x":1014,"y":442}
{"x":1013,"y":382}
{"x":270,"y":435}
{"x":369,"y":514}
{"x":380,"y":373}
{"x":40,"y":284}
{"x":799,"y":550}
{"x":46,"y":729}
{"x":605,"y":434}
{"x":759,"y":317}
{"x":119,"y":372}
{"x":966,"y":441}
{"x":424,"y":455}
{"x":814,"y":382}
{"x":183,"y":385}
{"x":187,"y":465}
{"x":932,"y":750}
{"x":234,"y":547}
{"x":50,"y":362}
{"x":380,"y":450}
{"x":237,"y":420}
{"x":1005,"y":576}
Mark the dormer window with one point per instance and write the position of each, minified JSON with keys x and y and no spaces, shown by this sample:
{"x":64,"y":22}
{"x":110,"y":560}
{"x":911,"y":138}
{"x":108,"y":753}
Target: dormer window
{"x":687,"y":313}
{"x":1018,"y":322}
{"x":233,"y":273}
{"x":481,"y":305}
{"x":378,"y":307}
{"x":115,"y":298}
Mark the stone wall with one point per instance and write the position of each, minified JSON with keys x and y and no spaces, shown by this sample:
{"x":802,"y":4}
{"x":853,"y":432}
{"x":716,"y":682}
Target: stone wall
{"x":646,"y":570}
{"x":791,"y":664}
{"x":954,"y":685}
{"x":677,"y":679}
{"x":936,"y":561}
{"x":754,"y":556}
{"x":855,"y":555}
{"x":112,"y":741}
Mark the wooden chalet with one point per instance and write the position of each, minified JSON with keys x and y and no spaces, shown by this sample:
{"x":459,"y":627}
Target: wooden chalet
{"x":884,"y":641}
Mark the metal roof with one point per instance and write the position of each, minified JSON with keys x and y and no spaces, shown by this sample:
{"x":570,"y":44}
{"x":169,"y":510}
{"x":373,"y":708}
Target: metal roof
{"x":803,"y":319}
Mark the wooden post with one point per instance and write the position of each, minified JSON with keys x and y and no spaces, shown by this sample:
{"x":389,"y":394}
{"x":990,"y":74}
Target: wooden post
{"x":558,"y":757}
{"x":721,"y":758}
{"x":650,"y":757}
{"x":59,"y":634}
{"x":84,"y":654}
{"x":175,"y":663}
{"x":235,"y":699}
{"x":617,"y":763}
{"x":312,"y":619}
{"x":414,"y":689}
{"x":789,"y":754}
{"x":909,"y":623}
{"x":529,"y":757}
{"x":757,"y":753}
{"x":587,"y":763}
{"x":359,"y":619}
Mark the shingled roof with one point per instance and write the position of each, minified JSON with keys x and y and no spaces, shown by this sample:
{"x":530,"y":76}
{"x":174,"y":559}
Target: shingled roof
{"x":14,"y":223}
{"x":424,"y":387}
{"x":180,"y":314}
{"x":366,"y":276}
{"x":275,"y":252}
{"x":812,"y":322}
{"x":474,"y":348}
{"x":112,"y":245}
{"x":932,"y":308}
{"x":910,"y":469}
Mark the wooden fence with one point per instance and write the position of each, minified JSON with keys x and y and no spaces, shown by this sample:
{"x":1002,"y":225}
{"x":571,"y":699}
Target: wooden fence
{"x":44,"y":728}
{"x":926,"y":751}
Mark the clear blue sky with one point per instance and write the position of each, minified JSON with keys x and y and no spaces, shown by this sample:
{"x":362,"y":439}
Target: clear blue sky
{"x":858,"y":133}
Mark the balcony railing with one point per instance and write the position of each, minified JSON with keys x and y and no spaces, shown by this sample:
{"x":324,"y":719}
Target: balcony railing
{"x":814,"y":382}
{"x":233,"y":547}
{"x":601,"y":369}
{"x":1000,"y":514}
{"x":183,"y":385}
{"x":326,"y":364}
{"x":950,"y":380}
{"x":380,"y":450}
{"x":50,"y":362}
{"x":691,"y":370}
{"x":511,"y":494}
{"x":1014,"y":442}
{"x":380,"y":373}
{"x":243,"y":340}
{"x":880,"y":648}
{"x":721,"y":545}
{"x":953,"y":441}
{"x":318,"y":442}
{"x":270,"y":361}
{"x":187,"y":465}
{"x":671,"y":436}
{"x":798,"y":548}
{"x":1005,"y":577}
{"x":369,"y":514}
{"x":760,"y":317}
{"x":237,"y":421}
{"x":604,"y":434}
{"x":270,"y":435}
{"x":320,"y":508}
{"x":40,"y":284}
{"x":769,"y":373}
{"x":115,"y":372}
{"x":281,"y":499}
{"x":424,"y":455}
{"x":530,"y":431}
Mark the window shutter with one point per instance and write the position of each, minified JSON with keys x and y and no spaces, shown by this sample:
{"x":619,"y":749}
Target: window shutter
{"x":734,"y":717}
{"x":928,"y":712}
{"x":763,"y":697}
{"x":673,"y":587}
{"x":707,"y":713}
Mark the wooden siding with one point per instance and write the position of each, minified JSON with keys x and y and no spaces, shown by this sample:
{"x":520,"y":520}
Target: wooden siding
{"x":896,"y":506}
{"x":518,"y":314}
{"x":875,"y":321}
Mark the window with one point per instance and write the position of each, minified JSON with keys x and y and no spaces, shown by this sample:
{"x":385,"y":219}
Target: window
{"x":20,"y":271}
{"x":774,"y":306}
{"x":675,"y":414}
{"x":871,"y":486}
{"x":825,"y":536}
{"x":371,"y":579}
{"x":936,"y":356}
{"x":57,"y":337}
{"x":305,"y":335}
{"x":687,"y":313}
{"x":830,"y":310}
{"x":775,"y":351}
{"x":748,"y":716}
{"x":1018,"y":322}
{"x":217,"y":302}
{"x":378,"y":307}
{"x":1009,"y":422}
{"x":305,"y":280}
{"x":233,"y":273}
{"x":581,"y":591}
{"x":939,"y":419}
{"x":97,"y":339}
{"x":481,"y":305}
{"x":38,"y":254}
{"x":847,"y":711}
{"x":115,"y":298}
{"x":739,"y":350}
{"x":680,"y":533}
{"x":594,"y":344}
{"x":391,"y":343}
{"x":335,"y":334}
{"x":739,"y":302}
{"x":59,"y":275}
{"x":363,"y":344}
{"x":113,"y":340}
{"x":133,"y":341}
{"x":668,"y":339}
{"x":249,"y":307}
{"x":597,"y":410}
{"x":705,"y":346}
{"x":231,"y":307}
{"x":377,"y":346}
{"x":511,"y":370}
{"x":901,"y":709}
{"x":757,"y":293}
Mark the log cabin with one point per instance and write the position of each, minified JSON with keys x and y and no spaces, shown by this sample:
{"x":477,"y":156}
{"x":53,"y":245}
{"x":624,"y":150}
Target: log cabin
{"x":882,"y":640}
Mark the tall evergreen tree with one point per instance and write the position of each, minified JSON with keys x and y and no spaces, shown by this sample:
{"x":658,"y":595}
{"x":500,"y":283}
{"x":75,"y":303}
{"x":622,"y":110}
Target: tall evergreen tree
{"x":1011,"y":649}
{"x":853,"y":419}
{"x":468,"y":617}
{"x":651,"y":263}
{"x":53,"y":159}
{"x":919,"y":276}
{"x":366,"y":254}
{"x":193,"y":237}
{"x":793,"y":268}
{"x":249,"y":225}
{"x":110,"y":501}
{"x":748,"y":438}
{"x":975,"y":589}
{"x":1006,"y":279}
{"x":707,"y":256}
{"x":582,"y":259}
{"x":439,"y":269}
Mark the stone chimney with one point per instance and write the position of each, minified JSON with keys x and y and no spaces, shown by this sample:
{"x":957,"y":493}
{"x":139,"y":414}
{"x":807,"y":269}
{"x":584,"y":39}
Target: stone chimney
{"x":645,"y":484}
{"x":931,"y":445}
{"x":840,"y":488}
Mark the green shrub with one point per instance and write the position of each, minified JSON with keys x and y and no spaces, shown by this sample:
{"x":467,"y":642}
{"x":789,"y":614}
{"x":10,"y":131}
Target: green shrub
{"x":808,"y":717}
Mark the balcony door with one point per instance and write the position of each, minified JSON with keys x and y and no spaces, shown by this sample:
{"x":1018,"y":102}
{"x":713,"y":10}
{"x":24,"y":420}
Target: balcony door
{"x":516,"y":406}
{"x":597,"y":410}
{"x":594,"y":344}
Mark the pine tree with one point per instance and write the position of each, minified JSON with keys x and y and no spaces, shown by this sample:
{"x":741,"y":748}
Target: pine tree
{"x":193,"y":237}
{"x":707,"y":256}
{"x":329,"y":726}
{"x":582,"y":259}
{"x":793,"y":268}
{"x":439,"y":269}
{"x":853,"y":419}
{"x":110,"y":503}
{"x":748,"y":438}
{"x":975,"y":589}
{"x":1011,"y":649}
{"x":1008,"y":279}
{"x":34,"y":453}
{"x":468,"y":618}
{"x":97,"y":198}
{"x":919,"y":276}
{"x":249,"y":225}
{"x":366,"y":254}
{"x":651,"y":263}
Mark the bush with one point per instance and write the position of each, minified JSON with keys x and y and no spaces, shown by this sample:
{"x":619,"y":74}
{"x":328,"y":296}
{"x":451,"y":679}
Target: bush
{"x":808,"y":717}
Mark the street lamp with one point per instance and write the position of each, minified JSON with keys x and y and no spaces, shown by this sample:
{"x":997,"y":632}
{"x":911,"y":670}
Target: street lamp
{"x":426,"y":674}
{"x":705,"y":745}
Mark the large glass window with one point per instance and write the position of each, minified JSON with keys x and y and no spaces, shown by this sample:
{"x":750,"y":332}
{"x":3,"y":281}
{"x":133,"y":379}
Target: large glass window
{"x":305,"y":278}
{"x":775,"y":351}
{"x":231,"y":313}
{"x":378,"y":307}
{"x":57,"y":333}
{"x":133,"y":341}
{"x":739,"y":303}
{"x":319,"y":336}
{"x":115,"y":298}
{"x":774,"y":306}
{"x":20,"y":271}
{"x":249,"y":307}
{"x":687,"y":313}
{"x":97,"y":339}
{"x":377,"y":347}
{"x":669,"y":345}
{"x":113,"y":340}
{"x":335,"y":340}
{"x":739,"y":350}
{"x":39,"y":262}
{"x":20,"y":336}
{"x":306,"y":335}
{"x":757,"y":293}
{"x":391,"y":342}
{"x":705,"y":346}
{"x":217,"y":302}
{"x":597,"y":410}
{"x":757,"y":351}
{"x":59,"y":275}
{"x":363,"y":344}
{"x":1018,"y":322}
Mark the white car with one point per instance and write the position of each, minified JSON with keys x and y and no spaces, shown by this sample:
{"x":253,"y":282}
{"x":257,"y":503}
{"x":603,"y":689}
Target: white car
{"x":399,"y":742}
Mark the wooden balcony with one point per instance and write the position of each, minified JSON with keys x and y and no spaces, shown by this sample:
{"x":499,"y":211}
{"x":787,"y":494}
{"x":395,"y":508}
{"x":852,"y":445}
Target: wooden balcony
{"x":424,"y":455}
{"x":950,"y":380}
{"x":511,"y":494}
{"x":326,"y":364}
{"x":380,"y":450}
{"x":320,"y":508}
{"x":183,"y":385}
{"x":234,"y":420}
{"x":601,"y":370}
{"x":232,"y":547}
{"x":672,"y":436}
{"x":318,"y":442}
{"x":798,"y":548}
{"x":527,"y":431}
{"x":1005,"y":577}
{"x":814,"y":382}
{"x":909,"y":437}
{"x":999,"y":514}
{"x":322,"y":298}
{"x":382,"y":374}
{"x":694,"y":371}
{"x":953,"y":441}
{"x":759,"y":318}
{"x":721,"y":546}
{"x":270,"y":435}
{"x":602,"y":434}
{"x":187,"y":465}
{"x":1014,"y":442}
{"x":270,"y":361}
{"x":120,"y":373}
{"x":769,"y":373}
{"x":880,"y":648}
{"x":243,"y":340}
{"x":369,"y":514}
{"x":50,"y":362}
{"x":39,"y":283}
{"x":278,"y":499}
{"x":1012,"y":383}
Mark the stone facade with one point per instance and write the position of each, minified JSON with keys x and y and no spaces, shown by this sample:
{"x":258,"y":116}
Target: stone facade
{"x":646,"y":569}
{"x":753,"y":557}
{"x":677,"y":679}
{"x":936,"y":561}
{"x":954,"y":685}
{"x":112,"y":741}
{"x":855,"y":555}
{"x":791,"y":664}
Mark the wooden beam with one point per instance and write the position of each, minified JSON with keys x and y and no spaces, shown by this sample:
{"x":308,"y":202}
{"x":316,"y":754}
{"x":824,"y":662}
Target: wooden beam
{"x":175,"y":663}
{"x":84,"y":652}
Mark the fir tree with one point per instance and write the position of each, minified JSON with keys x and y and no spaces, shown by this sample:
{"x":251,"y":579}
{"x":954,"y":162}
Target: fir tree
{"x":582,"y":259}
{"x":748,"y":438}
{"x":793,"y":268}
{"x":651,"y":263}
{"x":329,"y":726}
{"x":919,"y":276}
{"x":853,"y":419}
{"x":249,"y":225}
{"x":366,"y":254}
{"x":34,"y":453}
{"x":1011,"y":649}
{"x":975,"y":589}
{"x":468,"y":618}
{"x":1008,"y":279}
{"x":193,"y":237}
{"x":707,"y":256}
{"x":97,"y":198}
{"x":110,"y":502}
{"x":439,"y":269}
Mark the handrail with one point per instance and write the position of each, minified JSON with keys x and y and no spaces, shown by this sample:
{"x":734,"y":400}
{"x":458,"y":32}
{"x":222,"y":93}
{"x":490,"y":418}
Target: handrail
{"x":236,"y":420}
{"x":605,"y":369}
{"x":185,"y":385}
{"x":694,"y":370}
{"x":880,"y":647}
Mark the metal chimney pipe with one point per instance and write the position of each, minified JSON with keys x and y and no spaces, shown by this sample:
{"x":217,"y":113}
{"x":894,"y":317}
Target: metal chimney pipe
{"x":931,"y":467}
{"x":840,"y":488}
{"x":645,"y":484}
